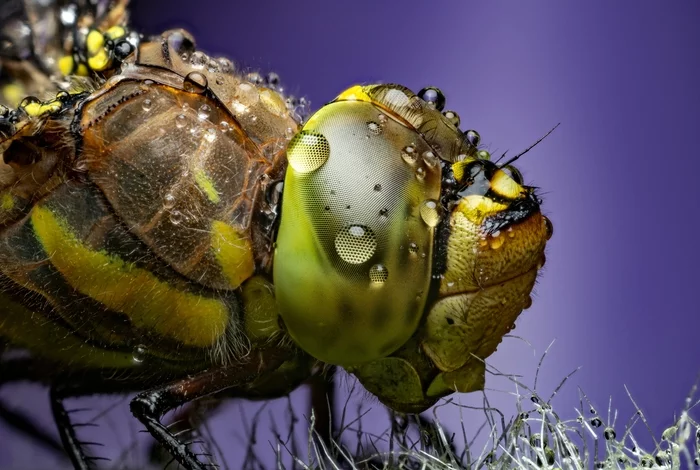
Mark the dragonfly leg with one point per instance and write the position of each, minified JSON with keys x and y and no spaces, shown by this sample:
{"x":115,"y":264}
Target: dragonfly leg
{"x":149,"y":406}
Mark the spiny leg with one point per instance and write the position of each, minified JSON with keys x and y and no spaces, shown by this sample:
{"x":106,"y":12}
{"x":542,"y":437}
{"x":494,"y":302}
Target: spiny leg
{"x":66,"y":431}
{"x":185,"y":424}
{"x":150,"y":406}
{"x":61,"y":386}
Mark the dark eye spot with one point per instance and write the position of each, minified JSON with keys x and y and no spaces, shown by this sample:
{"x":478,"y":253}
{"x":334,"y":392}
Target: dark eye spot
{"x":450,"y":321}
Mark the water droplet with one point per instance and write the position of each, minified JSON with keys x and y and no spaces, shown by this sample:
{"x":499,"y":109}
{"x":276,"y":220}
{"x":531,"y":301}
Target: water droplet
{"x":377,"y":187}
{"x":542,"y":261}
{"x":452,"y":117}
{"x":496,"y":243}
{"x":168,"y":201}
{"x":383,"y":214}
{"x":483,"y":155}
{"x":204,"y":112}
{"x":536,"y":441}
{"x":472,"y":137}
{"x":147,"y":105}
{"x":247,"y":94}
{"x":139,"y":353}
{"x":176,"y":217}
{"x":374,"y":128}
{"x":210,"y":134}
{"x":378,"y":274}
{"x":412,"y":248}
{"x":596,"y":422}
{"x":609,"y":433}
{"x":355,"y":244}
{"x":213,"y":66}
{"x":430,"y":159}
{"x":195,"y":82}
{"x":225,"y":65}
{"x":382,"y":119}
{"x":433,"y":96}
{"x":288,"y":133}
{"x":420,"y":173}
{"x":198,"y":59}
{"x":514,"y":173}
{"x":272,"y":79}
{"x":308,"y":151}
{"x":429,"y":213}
{"x":409,"y":154}
{"x":548,"y":227}
{"x":256,"y":78}
{"x":224,"y":126}
{"x":180,"y":121}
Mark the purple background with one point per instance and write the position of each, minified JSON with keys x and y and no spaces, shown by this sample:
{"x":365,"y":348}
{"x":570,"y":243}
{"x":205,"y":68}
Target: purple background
{"x":619,"y":175}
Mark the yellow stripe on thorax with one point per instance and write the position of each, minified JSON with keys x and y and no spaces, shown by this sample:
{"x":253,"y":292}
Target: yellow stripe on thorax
{"x":233,"y":253}
{"x":121,"y":286}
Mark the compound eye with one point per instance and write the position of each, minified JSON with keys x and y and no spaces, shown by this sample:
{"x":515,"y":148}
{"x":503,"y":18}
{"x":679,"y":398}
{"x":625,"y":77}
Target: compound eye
{"x":358,"y":217}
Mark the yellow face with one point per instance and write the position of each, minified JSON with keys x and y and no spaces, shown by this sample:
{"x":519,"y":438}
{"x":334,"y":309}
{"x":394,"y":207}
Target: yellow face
{"x":404,"y":254}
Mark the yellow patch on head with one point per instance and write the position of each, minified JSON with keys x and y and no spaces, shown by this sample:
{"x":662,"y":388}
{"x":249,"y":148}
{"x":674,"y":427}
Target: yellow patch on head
{"x":207,"y":186}
{"x":505,"y":186}
{"x":149,"y":302}
{"x":476,"y":208}
{"x":233,"y":253}
{"x":459,"y":167}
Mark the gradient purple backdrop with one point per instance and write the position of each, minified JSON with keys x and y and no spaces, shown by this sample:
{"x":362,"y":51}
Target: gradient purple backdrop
{"x":619,"y":175}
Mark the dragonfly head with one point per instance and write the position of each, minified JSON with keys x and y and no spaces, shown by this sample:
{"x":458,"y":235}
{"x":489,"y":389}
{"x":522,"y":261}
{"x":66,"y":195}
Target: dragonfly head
{"x":403,"y":254}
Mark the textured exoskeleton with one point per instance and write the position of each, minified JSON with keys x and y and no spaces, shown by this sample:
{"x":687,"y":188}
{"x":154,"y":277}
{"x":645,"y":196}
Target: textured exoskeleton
{"x":171,"y":222}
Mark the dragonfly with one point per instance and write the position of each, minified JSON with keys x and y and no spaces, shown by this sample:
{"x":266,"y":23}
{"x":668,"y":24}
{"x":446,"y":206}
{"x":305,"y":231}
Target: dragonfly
{"x":173,"y":226}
